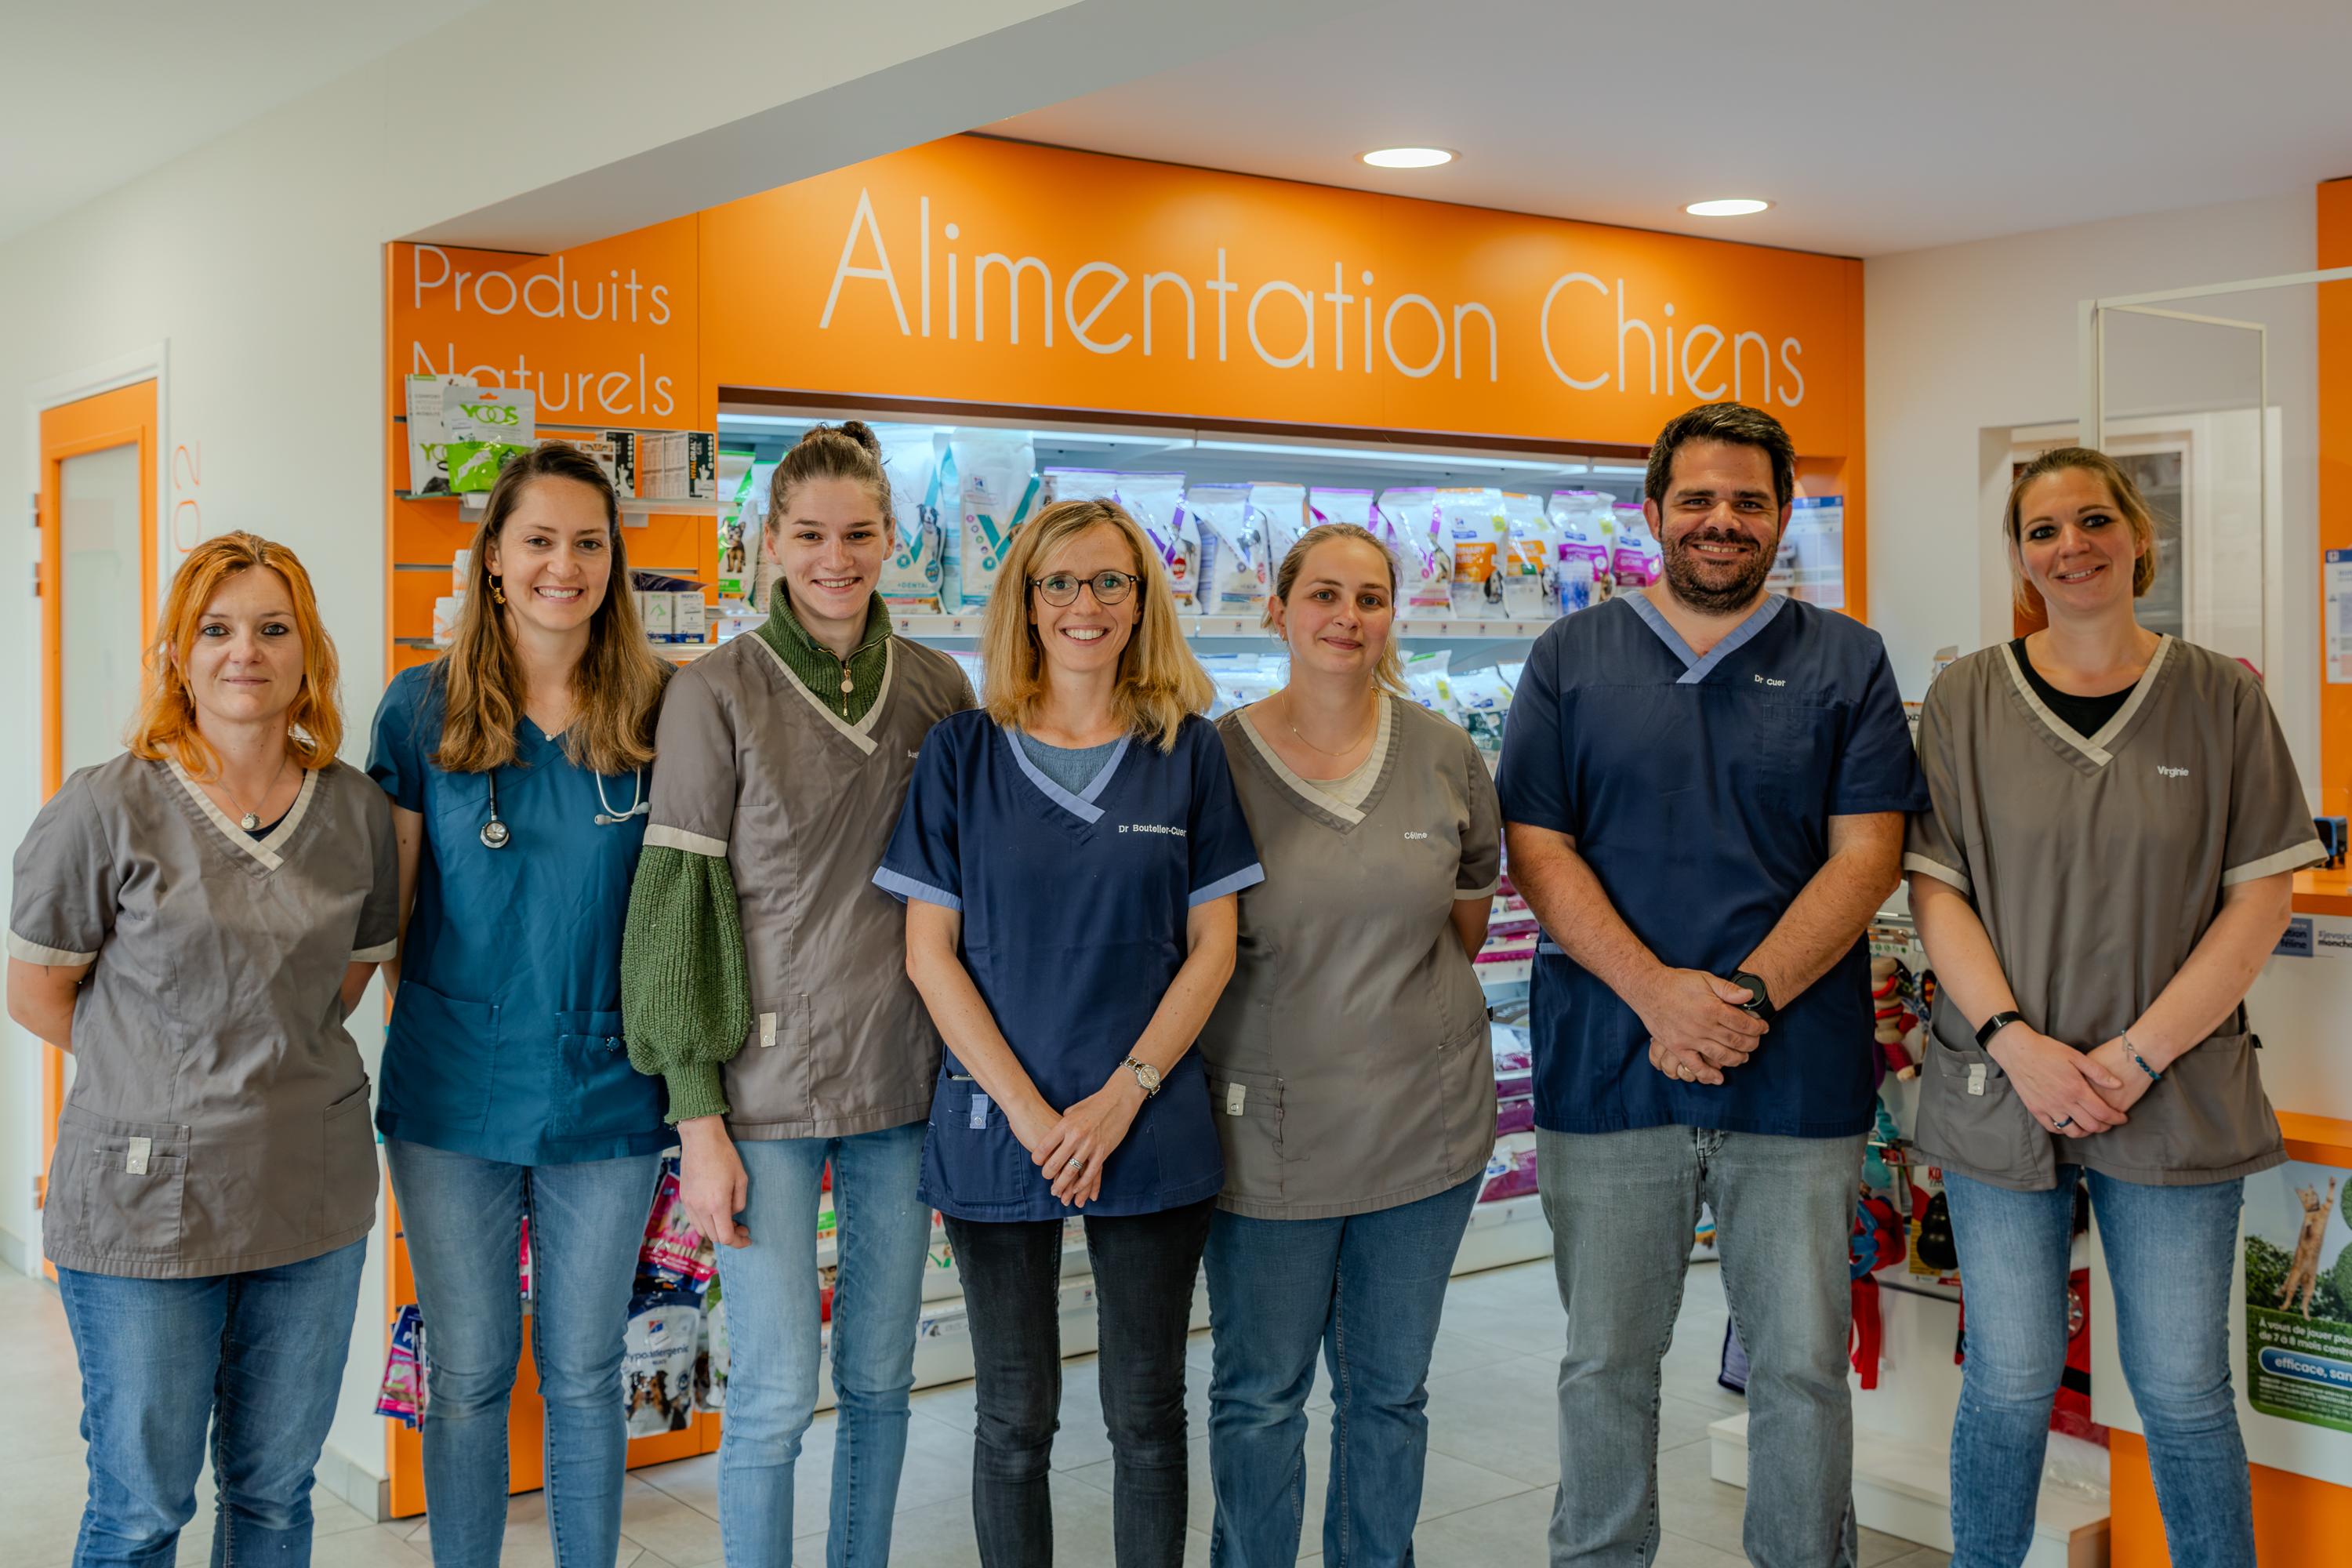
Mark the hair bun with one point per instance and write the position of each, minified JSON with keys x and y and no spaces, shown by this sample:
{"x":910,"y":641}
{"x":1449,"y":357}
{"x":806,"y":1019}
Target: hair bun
{"x":863,"y":434}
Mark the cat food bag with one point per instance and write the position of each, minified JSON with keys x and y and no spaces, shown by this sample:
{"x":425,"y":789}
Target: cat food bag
{"x":1282,"y":515}
{"x":1157,"y":502}
{"x":675,"y":1255}
{"x":1234,"y":567}
{"x":999,"y":481}
{"x":1478,"y":535}
{"x":1424,"y":548}
{"x":1528,"y":591}
{"x":1482,"y":698}
{"x":1425,"y":681}
{"x":914,"y":574}
{"x":402,"y":1397}
{"x":1077,"y":484}
{"x":657,"y":1361}
{"x":1635,"y":561}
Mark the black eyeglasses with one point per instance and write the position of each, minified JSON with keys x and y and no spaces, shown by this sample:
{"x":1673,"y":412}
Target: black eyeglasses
{"x":1060,"y":589}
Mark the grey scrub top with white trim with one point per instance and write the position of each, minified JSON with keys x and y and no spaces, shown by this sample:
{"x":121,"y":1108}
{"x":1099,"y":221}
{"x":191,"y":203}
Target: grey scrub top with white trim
{"x":1349,"y":1067}
{"x":2096,"y":866}
{"x":219,"y":1120}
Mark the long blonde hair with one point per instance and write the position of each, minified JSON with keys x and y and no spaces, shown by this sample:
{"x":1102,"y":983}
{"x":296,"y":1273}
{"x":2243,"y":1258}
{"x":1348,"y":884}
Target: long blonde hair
{"x":1159,"y":682}
{"x":1388,"y":673}
{"x":166,"y":721}
{"x":616,"y":686}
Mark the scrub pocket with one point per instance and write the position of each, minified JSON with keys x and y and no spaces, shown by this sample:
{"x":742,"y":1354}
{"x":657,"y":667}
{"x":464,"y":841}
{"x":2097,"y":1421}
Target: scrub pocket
{"x":347,"y":1169}
{"x":1248,"y":1110}
{"x":971,"y":1157}
{"x":1971,"y":1116}
{"x":439,"y":1060}
{"x":2210,"y":1114}
{"x":1465,"y":1098}
{"x":126,"y":1182}
{"x":596,"y":1093}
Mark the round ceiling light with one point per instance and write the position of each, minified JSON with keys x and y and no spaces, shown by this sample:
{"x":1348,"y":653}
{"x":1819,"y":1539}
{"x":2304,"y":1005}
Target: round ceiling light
{"x":1408,"y":157}
{"x":1729,"y":206}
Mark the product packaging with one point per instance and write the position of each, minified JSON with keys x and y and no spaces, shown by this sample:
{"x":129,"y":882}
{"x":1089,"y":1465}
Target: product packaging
{"x":1157,"y":502}
{"x":1282,"y":516}
{"x":1425,"y":682}
{"x":446,"y":611}
{"x":625,"y":460}
{"x":657,"y":1361}
{"x":1635,"y":561}
{"x":1529,"y":585}
{"x":426,"y":397}
{"x":1482,"y":702}
{"x":1241,"y":679}
{"x":402,"y":1395}
{"x":913,"y":574}
{"x":460,"y":563}
{"x":1233,"y":570}
{"x":998,"y":483}
{"x":1425,"y":549}
{"x":486,"y":426}
{"x":597,"y":449}
{"x":660,"y":614}
{"x":1477,"y":535}
{"x":680,"y":465}
{"x":674,"y":1255}
{"x":1077,"y":484}
{"x":690,"y":617}
{"x":1511,"y":1173}
{"x":710,"y":1355}
{"x":1580,"y":566}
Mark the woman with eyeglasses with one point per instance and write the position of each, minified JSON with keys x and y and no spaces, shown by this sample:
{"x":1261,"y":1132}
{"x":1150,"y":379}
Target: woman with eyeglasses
{"x":764,"y":976}
{"x":516,"y":763}
{"x":1071,"y":856}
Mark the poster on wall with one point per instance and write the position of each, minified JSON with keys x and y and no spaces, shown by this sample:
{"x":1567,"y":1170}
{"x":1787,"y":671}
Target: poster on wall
{"x":1815,"y":549}
{"x":2299,"y":1295}
{"x":2337,"y":599}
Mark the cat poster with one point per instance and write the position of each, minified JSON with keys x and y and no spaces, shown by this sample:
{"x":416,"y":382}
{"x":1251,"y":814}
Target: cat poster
{"x":2299,"y":1295}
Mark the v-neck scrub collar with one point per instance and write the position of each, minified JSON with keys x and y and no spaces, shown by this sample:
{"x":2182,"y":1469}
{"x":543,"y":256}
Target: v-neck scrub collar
{"x":860,"y":735}
{"x":1081,"y":805}
{"x":2094,"y":749}
{"x":1697,"y":667}
{"x":1346,"y":803}
{"x":265,"y":850}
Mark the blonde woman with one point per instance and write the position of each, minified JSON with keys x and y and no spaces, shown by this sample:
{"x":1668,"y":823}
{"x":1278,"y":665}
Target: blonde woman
{"x":1070,"y":858}
{"x":2107,"y":864}
{"x":194,"y":920}
{"x":516,"y":765}
{"x":1349,"y":1059}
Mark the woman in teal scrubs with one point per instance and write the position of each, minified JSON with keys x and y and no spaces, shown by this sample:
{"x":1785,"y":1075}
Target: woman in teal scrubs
{"x":516,"y":765}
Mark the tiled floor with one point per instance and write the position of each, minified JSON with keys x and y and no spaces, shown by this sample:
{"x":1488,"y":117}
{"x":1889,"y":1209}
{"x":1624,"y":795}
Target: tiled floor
{"x":1492,"y":1465}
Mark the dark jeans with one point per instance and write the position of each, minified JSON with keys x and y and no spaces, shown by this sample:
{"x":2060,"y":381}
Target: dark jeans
{"x":1144,"y":1269}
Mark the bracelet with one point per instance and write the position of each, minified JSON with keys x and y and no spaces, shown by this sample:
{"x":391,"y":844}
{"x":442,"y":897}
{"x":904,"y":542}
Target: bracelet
{"x":1995,"y":1024}
{"x":2153,"y":1075}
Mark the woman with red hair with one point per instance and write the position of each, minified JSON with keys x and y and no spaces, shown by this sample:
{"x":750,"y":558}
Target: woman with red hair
{"x":194,"y":920}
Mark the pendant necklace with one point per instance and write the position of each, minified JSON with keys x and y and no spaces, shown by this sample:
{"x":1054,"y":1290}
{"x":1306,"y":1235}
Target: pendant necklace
{"x":252,"y":820}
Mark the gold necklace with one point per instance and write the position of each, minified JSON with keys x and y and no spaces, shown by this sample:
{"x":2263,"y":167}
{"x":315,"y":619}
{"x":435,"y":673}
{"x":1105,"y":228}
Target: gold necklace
{"x":1310,"y":745}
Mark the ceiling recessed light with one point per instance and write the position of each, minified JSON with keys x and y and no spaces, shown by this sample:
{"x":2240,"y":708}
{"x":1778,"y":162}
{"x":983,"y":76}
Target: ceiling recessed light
{"x":1408,"y":157}
{"x":1730,"y":206}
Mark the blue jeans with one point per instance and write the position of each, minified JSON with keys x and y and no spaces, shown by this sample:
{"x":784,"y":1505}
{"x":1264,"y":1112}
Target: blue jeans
{"x":1366,"y":1289}
{"x":257,"y":1357}
{"x":773,"y":1341}
{"x":463,"y":1218}
{"x":2169,"y":1253}
{"x":1622,"y":1207}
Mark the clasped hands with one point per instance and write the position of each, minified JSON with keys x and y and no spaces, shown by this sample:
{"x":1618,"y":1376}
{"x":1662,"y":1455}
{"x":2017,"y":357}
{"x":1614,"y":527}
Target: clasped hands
{"x":2072,"y":1092}
{"x":1698,"y":1026}
{"x":1069,"y":1149}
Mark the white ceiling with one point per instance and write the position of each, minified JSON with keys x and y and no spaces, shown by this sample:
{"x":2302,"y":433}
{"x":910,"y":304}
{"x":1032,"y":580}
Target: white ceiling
{"x":1873,"y":125}
{"x":99,"y":91}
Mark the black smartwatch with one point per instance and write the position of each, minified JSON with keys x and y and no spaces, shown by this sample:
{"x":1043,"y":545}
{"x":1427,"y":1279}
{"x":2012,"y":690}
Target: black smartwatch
{"x":1994,"y":1026}
{"x":1760,"y":1000}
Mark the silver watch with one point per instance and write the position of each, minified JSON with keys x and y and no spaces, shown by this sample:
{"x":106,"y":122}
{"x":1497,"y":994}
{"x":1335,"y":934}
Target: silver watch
{"x":1145,"y":1074}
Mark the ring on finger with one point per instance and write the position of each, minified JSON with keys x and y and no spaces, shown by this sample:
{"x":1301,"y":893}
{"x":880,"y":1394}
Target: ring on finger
{"x":2061,"y":1125}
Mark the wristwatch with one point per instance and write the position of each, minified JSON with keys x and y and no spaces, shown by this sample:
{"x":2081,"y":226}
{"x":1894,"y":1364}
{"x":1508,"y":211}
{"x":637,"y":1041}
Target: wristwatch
{"x":1145,"y":1074}
{"x":1759,"y":999}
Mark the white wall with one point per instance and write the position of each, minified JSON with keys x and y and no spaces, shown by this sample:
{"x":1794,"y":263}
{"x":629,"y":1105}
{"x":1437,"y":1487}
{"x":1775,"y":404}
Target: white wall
{"x":1966,"y":339}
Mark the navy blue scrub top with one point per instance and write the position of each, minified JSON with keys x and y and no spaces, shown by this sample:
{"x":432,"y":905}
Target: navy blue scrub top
{"x":506,"y":1031}
{"x":1700,"y":791}
{"x":1075,"y":907}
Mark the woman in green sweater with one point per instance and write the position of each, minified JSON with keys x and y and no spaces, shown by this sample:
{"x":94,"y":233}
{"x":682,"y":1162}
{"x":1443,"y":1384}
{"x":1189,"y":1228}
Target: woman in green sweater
{"x":763,"y":977}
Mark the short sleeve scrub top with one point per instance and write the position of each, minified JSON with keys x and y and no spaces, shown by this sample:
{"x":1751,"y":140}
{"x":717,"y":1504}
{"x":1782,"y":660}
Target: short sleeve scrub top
{"x":506,"y":1041}
{"x":1074,"y":905}
{"x":2096,"y":863}
{"x":218,"y":1119}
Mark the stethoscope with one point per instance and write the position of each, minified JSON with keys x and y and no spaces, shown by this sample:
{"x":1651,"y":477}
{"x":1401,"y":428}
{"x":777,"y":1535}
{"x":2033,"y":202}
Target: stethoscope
{"x":497,"y":835}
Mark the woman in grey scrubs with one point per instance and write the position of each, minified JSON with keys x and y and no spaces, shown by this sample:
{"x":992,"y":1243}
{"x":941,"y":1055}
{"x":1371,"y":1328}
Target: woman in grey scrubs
{"x":194,"y":920}
{"x":2106,"y":866}
{"x":1348,"y":1068}
{"x":764,"y":977}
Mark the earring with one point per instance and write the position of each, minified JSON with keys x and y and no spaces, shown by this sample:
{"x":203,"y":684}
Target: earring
{"x":497,"y":594}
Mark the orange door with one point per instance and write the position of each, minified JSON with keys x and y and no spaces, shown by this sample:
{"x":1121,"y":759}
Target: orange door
{"x":97,"y":602}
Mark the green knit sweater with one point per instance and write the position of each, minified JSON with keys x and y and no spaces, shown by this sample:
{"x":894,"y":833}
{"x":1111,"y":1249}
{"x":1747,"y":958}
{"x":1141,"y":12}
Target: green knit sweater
{"x":686,"y":995}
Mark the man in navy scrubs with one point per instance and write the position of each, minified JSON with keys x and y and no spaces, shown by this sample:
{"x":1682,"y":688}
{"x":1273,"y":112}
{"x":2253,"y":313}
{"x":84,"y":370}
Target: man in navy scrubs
{"x":1704,"y":788}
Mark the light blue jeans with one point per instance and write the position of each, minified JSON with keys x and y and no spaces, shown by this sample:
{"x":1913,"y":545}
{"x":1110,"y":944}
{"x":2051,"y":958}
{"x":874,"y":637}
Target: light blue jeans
{"x":1622,"y":1207}
{"x":462,"y":1219}
{"x":773,"y":1341}
{"x":2170,"y":1254}
{"x":1366,"y":1290}
{"x":256,"y":1357}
